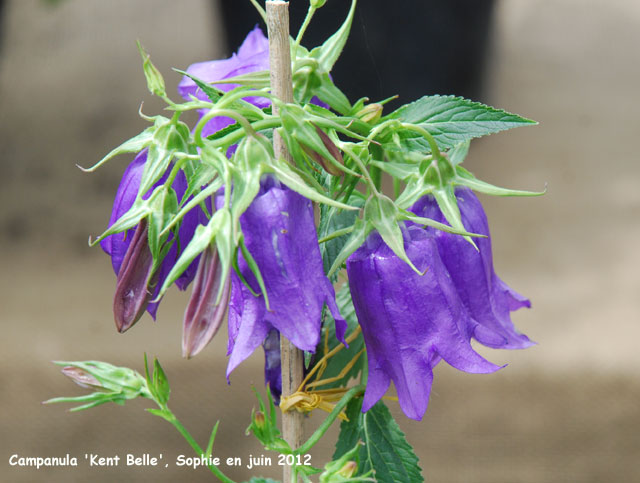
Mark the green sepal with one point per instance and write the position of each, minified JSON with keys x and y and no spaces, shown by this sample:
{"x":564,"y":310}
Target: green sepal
{"x":383,"y":215}
{"x":211,"y":92}
{"x":419,"y":220}
{"x":386,"y":451}
{"x":292,"y":179}
{"x":465,"y":178}
{"x":327,"y":54}
{"x":169,"y":139}
{"x":163,"y":207}
{"x":139,"y":210}
{"x":328,"y":92}
{"x":356,"y":239}
{"x":248,"y":162}
{"x":459,"y":152}
{"x":219,"y":225}
{"x":155,"y":81}
{"x":160,"y":383}
{"x":448,"y":204}
{"x":260,"y":79}
{"x":209,"y":451}
{"x":133,"y":145}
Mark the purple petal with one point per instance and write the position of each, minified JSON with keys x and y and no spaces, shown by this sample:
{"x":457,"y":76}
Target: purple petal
{"x":132,"y":295}
{"x":409,"y":321}
{"x":203,"y":315}
{"x":488,"y":300}
{"x":279,"y":231}
{"x":272,"y":365}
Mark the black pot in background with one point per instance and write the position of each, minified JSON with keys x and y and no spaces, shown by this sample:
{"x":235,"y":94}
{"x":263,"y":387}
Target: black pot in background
{"x":407,"y":47}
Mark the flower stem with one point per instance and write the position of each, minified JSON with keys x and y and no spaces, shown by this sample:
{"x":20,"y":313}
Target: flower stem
{"x":169,"y":416}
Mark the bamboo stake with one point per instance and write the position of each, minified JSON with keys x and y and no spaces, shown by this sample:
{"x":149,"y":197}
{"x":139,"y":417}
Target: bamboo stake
{"x":292,"y":358}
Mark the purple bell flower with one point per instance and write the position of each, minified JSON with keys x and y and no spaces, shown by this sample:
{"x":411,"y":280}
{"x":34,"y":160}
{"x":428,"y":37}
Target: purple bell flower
{"x":488,"y":299}
{"x":252,"y":56}
{"x":409,"y":321}
{"x":279,"y":232}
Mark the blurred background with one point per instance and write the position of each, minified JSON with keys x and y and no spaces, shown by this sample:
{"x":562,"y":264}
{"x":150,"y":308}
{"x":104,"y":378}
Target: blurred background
{"x":566,"y":410}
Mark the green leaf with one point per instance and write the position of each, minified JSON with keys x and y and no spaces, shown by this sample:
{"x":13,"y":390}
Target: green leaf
{"x":452,"y":120}
{"x":329,"y":93}
{"x":459,"y":152}
{"x":333,"y":219}
{"x":340,"y":360}
{"x":385,"y":451}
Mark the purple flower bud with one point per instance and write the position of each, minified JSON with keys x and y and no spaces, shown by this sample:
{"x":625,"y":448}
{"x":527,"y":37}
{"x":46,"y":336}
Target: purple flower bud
{"x":81,"y":377}
{"x":134,"y":281}
{"x":203,"y":315}
{"x":409,"y":321}
{"x":118,"y":245}
{"x":487,"y":299}
{"x":279,"y":232}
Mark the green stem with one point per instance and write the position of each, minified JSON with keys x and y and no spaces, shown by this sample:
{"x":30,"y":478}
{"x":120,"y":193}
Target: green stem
{"x":197,"y":133}
{"x":196,"y":447}
{"x":336,"y":234}
{"x":326,"y":424}
{"x":302,"y":30}
{"x":425,"y":134}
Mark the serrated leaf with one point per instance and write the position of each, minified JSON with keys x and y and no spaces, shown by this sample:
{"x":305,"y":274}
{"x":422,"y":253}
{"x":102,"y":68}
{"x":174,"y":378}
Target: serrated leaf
{"x":385,"y":451}
{"x":340,"y":360}
{"x":452,"y":120}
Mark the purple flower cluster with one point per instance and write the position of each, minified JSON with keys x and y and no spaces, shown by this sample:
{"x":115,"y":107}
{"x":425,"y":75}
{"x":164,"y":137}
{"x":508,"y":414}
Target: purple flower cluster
{"x":410,"y":321}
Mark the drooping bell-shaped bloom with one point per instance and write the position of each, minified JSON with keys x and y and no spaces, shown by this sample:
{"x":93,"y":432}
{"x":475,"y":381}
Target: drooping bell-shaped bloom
{"x":252,"y":56}
{"x":409,"y":321}
{"x":488,"y":299}
{"x":279,"y":232}
{"x":118,"y":247}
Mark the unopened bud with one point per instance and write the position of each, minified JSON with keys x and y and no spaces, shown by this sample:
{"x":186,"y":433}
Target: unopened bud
{"x":81,"y":377}
{"x":327,"y":165}
{"x":348,"y":470}
{"x":132,"y":293}
{"x":259,"y":419}
{"x":207,"y":305}
{"x":317,"y":3}
{"x":370,"y":113}
{"x":155,"y":81}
